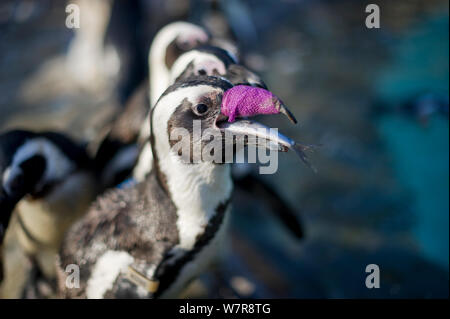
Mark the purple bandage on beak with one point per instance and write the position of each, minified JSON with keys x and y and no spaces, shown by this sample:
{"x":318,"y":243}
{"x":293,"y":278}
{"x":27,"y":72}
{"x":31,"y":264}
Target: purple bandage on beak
{"x":246,"y":101}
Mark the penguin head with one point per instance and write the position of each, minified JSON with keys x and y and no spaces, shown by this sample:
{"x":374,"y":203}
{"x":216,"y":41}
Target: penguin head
{"x":33,"y":164}
{"x":169,"y":43}
{"x":175,"y":39}
{"x":213,"y":61}
{"x":22,"y":166}
{"x":18,"y":181}
{"x":189,"y":116}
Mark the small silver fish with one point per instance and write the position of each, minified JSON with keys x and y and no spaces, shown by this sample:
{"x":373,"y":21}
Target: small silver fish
{"x":245,"y":127}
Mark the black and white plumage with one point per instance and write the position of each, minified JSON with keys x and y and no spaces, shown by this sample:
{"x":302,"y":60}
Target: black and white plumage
{"x":207,"y":59}
{"x":171,"y":226}
{"x":119,"y":155}
{"x":117,"y":149}
{"x":167,"y":46}
{"x":214,"y":61}
{"x":47,"y":182}
{"x":178,"y":51}
{"x":170,"y":65}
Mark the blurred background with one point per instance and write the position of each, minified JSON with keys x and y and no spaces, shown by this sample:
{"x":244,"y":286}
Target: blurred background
{"x":375,"y":99}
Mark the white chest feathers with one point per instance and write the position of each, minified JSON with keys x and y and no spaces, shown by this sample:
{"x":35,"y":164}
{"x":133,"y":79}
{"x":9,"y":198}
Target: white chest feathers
{"x":197,"y":193}
{"x":110,"y":265}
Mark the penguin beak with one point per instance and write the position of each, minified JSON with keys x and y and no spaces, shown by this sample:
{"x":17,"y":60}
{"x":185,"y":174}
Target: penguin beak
{"x":244,"y":101}
{"x":239,"y":103}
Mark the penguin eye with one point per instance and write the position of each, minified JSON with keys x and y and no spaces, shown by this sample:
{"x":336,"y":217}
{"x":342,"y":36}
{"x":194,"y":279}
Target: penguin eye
{"x":201,"y":108}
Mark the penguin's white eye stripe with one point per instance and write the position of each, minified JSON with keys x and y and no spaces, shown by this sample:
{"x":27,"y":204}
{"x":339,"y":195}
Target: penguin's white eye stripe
{"x":9,"y":172}
{"x":12,"y":180}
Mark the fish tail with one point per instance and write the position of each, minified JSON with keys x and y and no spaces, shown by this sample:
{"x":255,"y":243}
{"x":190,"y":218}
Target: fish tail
{"x":300,"y":150}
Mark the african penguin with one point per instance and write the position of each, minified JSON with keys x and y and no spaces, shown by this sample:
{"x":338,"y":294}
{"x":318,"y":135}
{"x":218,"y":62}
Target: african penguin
{"x":207,"y":59}
{"x":214,"y":61}
{"x":203,"y":59}
{"x":151,"y":239}
{"x":169,"y":43}
{"x":179,"y":50}
{"x":115,"y":150}
{"x":47,"y":180}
